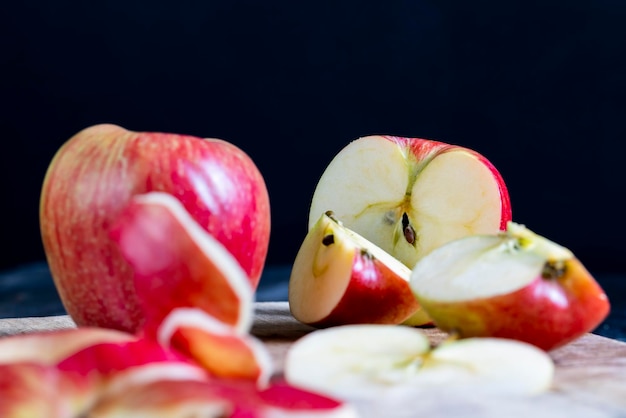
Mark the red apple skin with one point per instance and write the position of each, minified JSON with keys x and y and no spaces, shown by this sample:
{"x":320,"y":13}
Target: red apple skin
{"x":426,"y":149}
{"x":375,"y":295}
{"x":549,"y":312}
{"x":92,"y":178}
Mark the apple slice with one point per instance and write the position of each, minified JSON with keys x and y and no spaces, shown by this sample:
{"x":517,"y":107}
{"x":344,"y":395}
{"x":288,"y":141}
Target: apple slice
{"x":218,"y":398}
{"x":359,"y":362}
{"x":411,"y":195}
{"x":339,"y":277}
{"x":216,"y":346}
{"x":29,"y":389}
{"x":515,"y":284}
{"x":176,"y":263}
{"x":50,"y":347}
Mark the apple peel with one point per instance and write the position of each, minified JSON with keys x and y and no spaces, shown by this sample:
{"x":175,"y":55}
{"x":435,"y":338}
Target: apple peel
{"x":216,"y":346}
{"x":177,"y":264}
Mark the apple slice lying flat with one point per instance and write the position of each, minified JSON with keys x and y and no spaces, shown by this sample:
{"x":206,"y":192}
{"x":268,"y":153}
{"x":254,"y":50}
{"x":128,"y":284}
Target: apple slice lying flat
{"x":232,"y":398}
{"x":177,"y":264}
{"x":362,"y":361}
{"x":29,"y":389}
{"x":515,"y":284}
{"x":411,"y":195}
{"x":339,"y":277}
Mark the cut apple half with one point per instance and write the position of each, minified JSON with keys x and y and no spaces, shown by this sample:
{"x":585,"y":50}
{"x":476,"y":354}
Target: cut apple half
{"x":411,"y":195}
{"x":358,"y":362}
{"x":176,"y":263}
{"x":339,"y":277}
{"x":514,"y":284}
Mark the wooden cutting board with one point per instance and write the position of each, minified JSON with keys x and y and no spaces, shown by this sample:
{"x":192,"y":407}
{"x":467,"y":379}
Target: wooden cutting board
{"x":590,"y":378}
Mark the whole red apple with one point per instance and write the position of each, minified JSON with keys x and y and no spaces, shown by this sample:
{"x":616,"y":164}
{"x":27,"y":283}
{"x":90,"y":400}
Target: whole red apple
{"x":92,"y":178}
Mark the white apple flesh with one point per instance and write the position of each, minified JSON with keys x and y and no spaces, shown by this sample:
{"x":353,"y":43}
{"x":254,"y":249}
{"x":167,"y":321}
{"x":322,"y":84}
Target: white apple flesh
{"x":359,"y":362}
{"x":515,"y":284}
{"x":339,"y":277}
{"x":411,"y":195}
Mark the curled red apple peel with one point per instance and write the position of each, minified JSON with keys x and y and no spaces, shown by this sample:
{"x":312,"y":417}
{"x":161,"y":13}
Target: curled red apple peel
{"x":178,"y":264}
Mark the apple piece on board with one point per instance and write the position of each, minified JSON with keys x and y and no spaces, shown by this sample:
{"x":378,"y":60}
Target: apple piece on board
{"x":92,"y":178}
{"x":411,"y":195}
{"x":29,"y":389}
{"x":31,"y":385}
{"x":362,"y":361}
{"x":176,"y":263}
{"x":339,"y":277}
{"x":514,"y":284}
{"x":50,"y":347}
{"x":219,"y":398}
{"x":118,"y":366}
{"x":164,"y":398}
{"x":217,"y":347}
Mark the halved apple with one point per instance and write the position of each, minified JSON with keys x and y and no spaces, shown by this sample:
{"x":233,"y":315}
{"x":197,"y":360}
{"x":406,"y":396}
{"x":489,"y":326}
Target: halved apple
{"x":515,"y":284}
{"x":339,"y":277}
{"x":411,"y":195}
{"x":365,"y":361}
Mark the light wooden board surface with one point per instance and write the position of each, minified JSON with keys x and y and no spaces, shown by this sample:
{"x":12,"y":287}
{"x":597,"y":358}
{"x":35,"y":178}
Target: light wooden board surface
{"x":590,"y":378}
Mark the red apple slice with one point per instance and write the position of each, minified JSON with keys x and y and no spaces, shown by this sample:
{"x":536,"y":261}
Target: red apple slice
{"x":411,"y":195}
{"x":164,"y":398}
{"x":176,"y":263}
{"x":365,"y":361}
{"x":219,"y":398}
{"x":119,"y":366}
{"x":515,"y":284}
{"x":339,"y":277}
{"x":50,"y":347}
{"x":216,"y":346}
{"x":39,"y":390}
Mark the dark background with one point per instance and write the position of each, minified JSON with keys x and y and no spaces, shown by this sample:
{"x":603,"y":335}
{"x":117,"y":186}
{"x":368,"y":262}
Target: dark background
{"x":537,"y":87}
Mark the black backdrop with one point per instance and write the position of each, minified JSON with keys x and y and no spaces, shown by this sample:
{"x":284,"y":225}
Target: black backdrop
{"x":537,"y":87}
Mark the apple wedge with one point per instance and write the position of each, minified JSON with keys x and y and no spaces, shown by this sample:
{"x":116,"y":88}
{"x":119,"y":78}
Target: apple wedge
{"x":359,"y":362}
{"x":514,"y":284}
{"x":338,"y":277}
{"x":411,"y":195}
{"x":176,"y":263}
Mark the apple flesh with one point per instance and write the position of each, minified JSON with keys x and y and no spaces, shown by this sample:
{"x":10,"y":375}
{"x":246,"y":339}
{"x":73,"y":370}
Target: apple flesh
{"x":339,"y":277}
{"x":92,"y":178}
{"x":365,"y":361}
{"x":411,"y":195}
{"x":515,"y":284}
